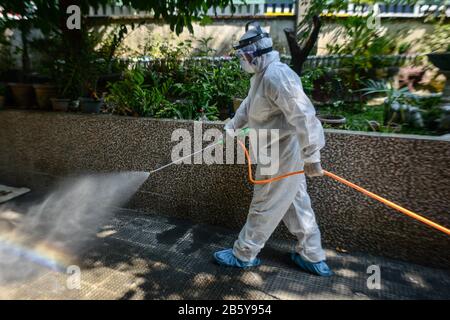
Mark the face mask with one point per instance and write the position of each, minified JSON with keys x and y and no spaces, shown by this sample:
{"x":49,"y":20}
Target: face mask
{"x":247,"y":66}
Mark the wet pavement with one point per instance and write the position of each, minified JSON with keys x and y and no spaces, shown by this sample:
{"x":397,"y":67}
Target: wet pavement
{"x":144,"y":256}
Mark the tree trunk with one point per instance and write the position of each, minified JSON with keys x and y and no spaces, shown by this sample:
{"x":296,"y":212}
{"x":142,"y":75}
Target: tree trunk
{"x":300,"y":54}
{"x":26,"y":67}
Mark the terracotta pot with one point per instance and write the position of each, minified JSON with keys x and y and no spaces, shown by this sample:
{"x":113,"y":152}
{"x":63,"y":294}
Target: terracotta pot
{"x":23,"y":94}
{"x":60,"y":104}
{"x":44,"y":92}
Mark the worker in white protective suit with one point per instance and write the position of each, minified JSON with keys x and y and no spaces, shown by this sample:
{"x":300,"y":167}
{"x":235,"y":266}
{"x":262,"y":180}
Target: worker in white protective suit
{"x":276,"y":100}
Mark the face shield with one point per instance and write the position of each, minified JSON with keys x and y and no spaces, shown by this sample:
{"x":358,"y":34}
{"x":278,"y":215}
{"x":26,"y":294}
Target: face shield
{"x":249,"y":53}
{"x":250,"y":46}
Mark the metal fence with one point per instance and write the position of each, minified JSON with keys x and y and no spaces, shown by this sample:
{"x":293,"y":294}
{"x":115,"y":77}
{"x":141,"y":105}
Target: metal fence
{"x":337,"y":61}
{"x":399,"y":10}
{"x":249,"y":8}
{"x":287,"y":8}
{"x":274,"y":8}
{"x":328,"y":61}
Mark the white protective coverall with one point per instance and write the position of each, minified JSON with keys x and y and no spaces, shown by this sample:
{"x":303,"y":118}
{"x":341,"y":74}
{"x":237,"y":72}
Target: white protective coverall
{"x":276,"y":100}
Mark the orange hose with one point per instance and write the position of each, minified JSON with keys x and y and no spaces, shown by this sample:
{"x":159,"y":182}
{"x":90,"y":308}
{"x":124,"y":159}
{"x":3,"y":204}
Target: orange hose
{"x":250,"y":174}
{"x":351,"y":185}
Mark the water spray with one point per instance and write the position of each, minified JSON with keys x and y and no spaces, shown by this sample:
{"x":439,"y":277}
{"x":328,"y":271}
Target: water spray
{"x":55,"y":231}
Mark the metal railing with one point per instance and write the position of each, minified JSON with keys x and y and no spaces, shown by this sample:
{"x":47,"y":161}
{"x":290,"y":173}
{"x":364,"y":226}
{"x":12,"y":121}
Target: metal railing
{"x":275,"y":8}
{"x":399,"y":10}
{"x":328,"y":61}
{"x":250,"y":8}
{"x":287,"y":8}
{"x":337,"y":61}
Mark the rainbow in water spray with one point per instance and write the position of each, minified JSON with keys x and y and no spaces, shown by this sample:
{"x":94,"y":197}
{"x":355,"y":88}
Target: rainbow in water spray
{"x":44,"y":254}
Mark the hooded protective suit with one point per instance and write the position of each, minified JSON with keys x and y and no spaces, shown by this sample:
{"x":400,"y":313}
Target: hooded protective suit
{"x":276,"y":100}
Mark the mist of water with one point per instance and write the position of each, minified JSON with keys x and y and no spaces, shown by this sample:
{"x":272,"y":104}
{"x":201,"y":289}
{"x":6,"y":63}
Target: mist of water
{"x":58,"y":228}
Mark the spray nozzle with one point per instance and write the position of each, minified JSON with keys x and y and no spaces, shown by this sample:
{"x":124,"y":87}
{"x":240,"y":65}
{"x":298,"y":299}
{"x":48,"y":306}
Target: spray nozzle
{"x":242,"y":133}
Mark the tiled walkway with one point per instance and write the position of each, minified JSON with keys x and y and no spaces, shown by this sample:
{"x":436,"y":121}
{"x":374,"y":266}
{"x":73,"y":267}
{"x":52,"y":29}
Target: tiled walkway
{"x":140,"y":256}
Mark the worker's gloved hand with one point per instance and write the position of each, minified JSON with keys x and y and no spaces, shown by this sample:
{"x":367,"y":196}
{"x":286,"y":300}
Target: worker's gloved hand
{"x":229,"y":129}
{"x":313,"y":169}
{"x":230,"y":132}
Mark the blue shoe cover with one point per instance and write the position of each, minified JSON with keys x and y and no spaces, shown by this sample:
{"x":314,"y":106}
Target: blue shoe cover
{"x":318,"y":268}
{"x":227,"y":258}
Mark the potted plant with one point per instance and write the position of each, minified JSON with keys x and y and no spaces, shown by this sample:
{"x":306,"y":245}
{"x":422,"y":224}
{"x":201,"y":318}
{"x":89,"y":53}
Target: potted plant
{"x":91,"y":104}
{"x":392,"y":97}
{"x":87,"y":65}
{"x":54,"y":67}
{"x":62,"y":101}
{"x":98,"y":67}
{"x":46,"y":89}
{"x":68,"y":73}
{"x":60,"y":104}
{"x":22,"y":94}
{"x":44,"y":92}
{"x":333,"y":120}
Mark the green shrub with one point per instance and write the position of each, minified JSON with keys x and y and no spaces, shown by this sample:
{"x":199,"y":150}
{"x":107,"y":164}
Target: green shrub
{"x":438,"y":40}
{"x":131,"y":96}
{"x":366,"y":45}
{"x":2,"y":89}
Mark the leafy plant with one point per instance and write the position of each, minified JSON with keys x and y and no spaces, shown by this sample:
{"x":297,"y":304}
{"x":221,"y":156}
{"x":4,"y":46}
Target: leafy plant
{"x":130,"y":96}
{"x":204,"y":49}
{"x":308,"y":78}
{"x":404,"y":47}
{"x":365,"y":47}
{"x":110,"y":44}
{"x":83,"y":68}
{"x":141,"y":94}
{"x":438,"y":40}
{"x":310,"y":22}
{"x":386,"y":88}
{"x":47,"y":16}
{"x":392,"y":95}
{"x":316,"y":8}
{"x":229,"y":81}
{"x":214,"y":85}
{"x":178,"y":14}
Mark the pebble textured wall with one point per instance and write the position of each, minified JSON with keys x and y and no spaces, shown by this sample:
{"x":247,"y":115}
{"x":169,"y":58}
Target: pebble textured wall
{"x":36,"y":148}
